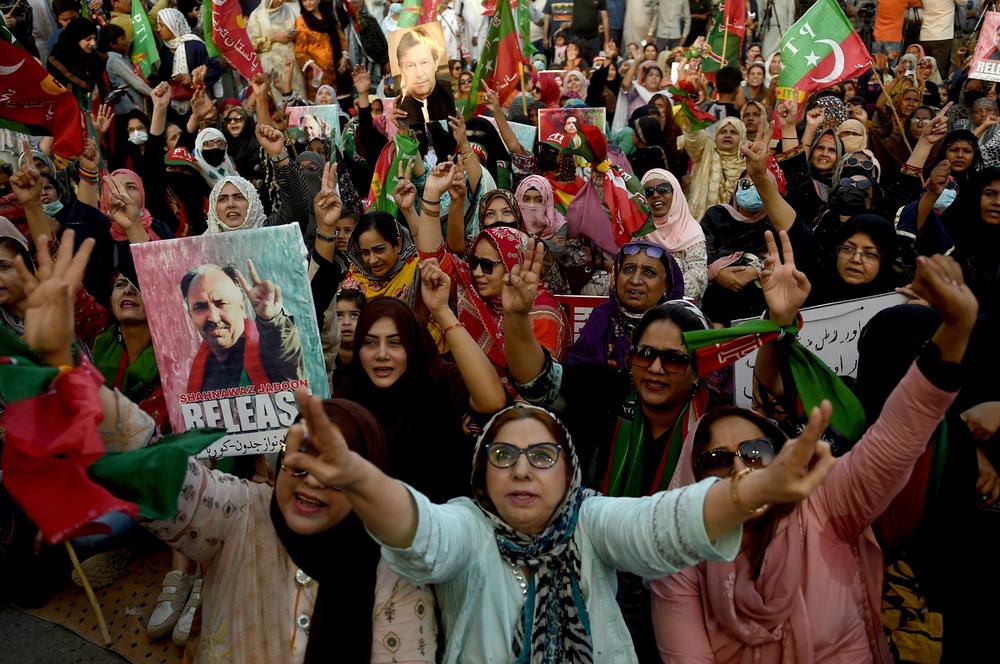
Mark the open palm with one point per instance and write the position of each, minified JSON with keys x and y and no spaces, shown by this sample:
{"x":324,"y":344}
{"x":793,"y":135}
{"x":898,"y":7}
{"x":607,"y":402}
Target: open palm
{"x":785,"y":286}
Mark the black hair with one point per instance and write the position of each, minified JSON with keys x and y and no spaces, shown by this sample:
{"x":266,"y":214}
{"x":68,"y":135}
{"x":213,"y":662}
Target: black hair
{"x":382,"y":223}
{"x":110,"y":33}
{"x":677,"y":314}
{"x":353,"y":296}
{"x":728,"y":79}
{"x":60,"y":6}
{"x":229,"y":270}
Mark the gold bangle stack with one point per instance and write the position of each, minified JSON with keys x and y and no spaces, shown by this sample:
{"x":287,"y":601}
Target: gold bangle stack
{"x":734,"y":494}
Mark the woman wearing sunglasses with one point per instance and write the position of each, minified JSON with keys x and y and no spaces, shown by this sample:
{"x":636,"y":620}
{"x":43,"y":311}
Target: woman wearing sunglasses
{"x":525,"y":569}
{"x":677,"y":230}
{"x":806,"y":585}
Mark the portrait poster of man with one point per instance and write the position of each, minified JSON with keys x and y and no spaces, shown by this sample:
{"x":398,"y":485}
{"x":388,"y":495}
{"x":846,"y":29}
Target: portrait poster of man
{"x":315,"y":122}
{"x":234,"y":328}
{"x":986,"y":60}
{"x":415,"y":56}
{"x":559,"y":127}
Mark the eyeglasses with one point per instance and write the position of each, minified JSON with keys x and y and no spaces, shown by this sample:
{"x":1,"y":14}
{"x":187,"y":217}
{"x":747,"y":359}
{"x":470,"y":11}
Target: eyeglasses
{"x":651,"y":250}
{"x":665,"y":188}
{"x":921,"y":121}
{"x":854,"y":162}
{"x":863,"y":184}
{"x":485,"y":264}
{"x":756,"y":453}
{"x":672,"y":361}
{"x":849,"y":252}
{"x":745,"y":183}
{"x":539,"y":455}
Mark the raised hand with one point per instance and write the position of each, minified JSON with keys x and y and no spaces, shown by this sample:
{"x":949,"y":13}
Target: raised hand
{"x":935,"y":130}
{"x":938,"y":179}
{"x":457,"y":124}
{"x":102,"y":121}
{"x":438,"y":180}
{"x":264,"y":296}
{"x":198,"y":75}
{"x":521,"y":283}
{"x":435,"y":285}
{"x":405,"y":192}
{"x":457,"y":190}
{"x":327,"y":206}
{"x":27,"y":181}
{"x":272,"y":140}
{"x":491,"y":100}
{"x":815,"y":117}
{"x":330,"y":461}
{"x":756,"y":154}
{"x":362,"y":79}
{"x":788,"y":114}
{"x":90,"y":155}
{"x":261,"y":84}
{"x":397,"y":114}
{"x":161,"y":96}
{"x":201,"y":104}
{"x":49,"y":319}
{"x":983,"y":420}
{"x":940,"y":282}
{"x":785,"y":286}
{"x":988,"y":482}
{"x":122,"y":211}
{"x":858,"y":112}
{"x":801,"y":466}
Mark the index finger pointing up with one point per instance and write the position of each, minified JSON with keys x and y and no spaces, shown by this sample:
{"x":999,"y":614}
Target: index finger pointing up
{"x":253,"y":273}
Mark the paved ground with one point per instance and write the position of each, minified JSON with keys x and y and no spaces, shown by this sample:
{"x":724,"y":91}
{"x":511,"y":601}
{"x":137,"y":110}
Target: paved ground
{"x":31,"y":640}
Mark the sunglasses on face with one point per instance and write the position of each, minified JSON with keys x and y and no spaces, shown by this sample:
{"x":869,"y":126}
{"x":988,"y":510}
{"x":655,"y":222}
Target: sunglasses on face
{"x":484,"y":264}
{"x":863,"y":184}
{"x":664,"y":189}
{"x":672,"y":361}
{"x":539,"y":455}
{"x":650,"y":250}
{"x":236,"y":119}
{"x":745,"y":183}
{"x":756,"y":453}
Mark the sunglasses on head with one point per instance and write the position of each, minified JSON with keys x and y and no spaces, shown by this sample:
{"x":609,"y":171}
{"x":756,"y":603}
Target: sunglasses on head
{"x":650,"y":250}
{"x":539,"y":455}
{"x":854,"y":162}
{"x":672,"y":361}
{"x":665,"y":188}
{"x":485,"y":264}
{"x":756,"y":453}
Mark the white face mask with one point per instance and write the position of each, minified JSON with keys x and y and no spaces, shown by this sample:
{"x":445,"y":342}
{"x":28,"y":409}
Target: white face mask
{"x":138,"y":137}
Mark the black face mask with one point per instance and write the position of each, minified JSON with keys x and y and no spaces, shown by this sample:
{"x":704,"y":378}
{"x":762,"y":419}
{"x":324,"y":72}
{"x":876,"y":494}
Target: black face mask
{"x":214,"y":156}
{"x":848,"y":201}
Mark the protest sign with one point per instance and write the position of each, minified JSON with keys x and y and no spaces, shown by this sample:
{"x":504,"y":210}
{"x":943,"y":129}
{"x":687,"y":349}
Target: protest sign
{"x":578,"y":309}
{"x":830,"y":331}
{"x":560,"y":126}
{"x":316,"y":121}
{"x":986,"y":60}
{"x":234,"y":329}
{"x":415,"y":55}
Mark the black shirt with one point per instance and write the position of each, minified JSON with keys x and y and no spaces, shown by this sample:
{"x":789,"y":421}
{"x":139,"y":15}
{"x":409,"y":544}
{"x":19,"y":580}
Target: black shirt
{"x":587,"y":18}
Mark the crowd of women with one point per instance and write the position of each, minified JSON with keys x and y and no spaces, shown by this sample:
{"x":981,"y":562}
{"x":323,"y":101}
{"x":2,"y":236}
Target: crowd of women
{"x":841,"y":519}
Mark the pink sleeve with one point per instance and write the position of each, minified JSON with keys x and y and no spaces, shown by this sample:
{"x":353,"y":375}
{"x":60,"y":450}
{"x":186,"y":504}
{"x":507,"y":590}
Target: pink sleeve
{"x":678,"y":619}
{"x":866,"y":479}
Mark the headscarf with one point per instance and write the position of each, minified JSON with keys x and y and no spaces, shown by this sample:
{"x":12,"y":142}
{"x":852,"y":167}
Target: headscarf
{"x":511,"y":201}
{"x":417,"y":408}
{"x":314,"y":179}
{"x":558,"y":629}
{"x":834,"y":111}
{"x":647,"y":128}
{"x":177,"y":23}
{"x":144,"y":216}
{"x":577,"y":74}
{"x":883,"y":235}
{"x":549,"y":92}
{"x":71,"y":64}
{"x":8,"y":231}
{"x":715,"y":175}
{"x":842,"y":170}
{"x":243,"y":150}
{"x":328,"y":88}
{"x":402,"y":279}
{"x":977,"y":242}
{"x":611,"y":325}
{"x":482,"y":316}
{"x":678,"y":230}
{"x":549,"y":222}
{"x":853,"y":144}
{"x":825,"y":180}
{"x":255,"y":213}
{"x":343,"y":559}
{"x":964,"y":135}
{"x":767,"y":68}
{"x":935,"y":76}
{"x":212,"y":174}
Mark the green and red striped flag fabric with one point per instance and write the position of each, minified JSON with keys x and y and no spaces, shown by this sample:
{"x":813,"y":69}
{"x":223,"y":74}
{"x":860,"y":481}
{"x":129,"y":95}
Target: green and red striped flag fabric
{"x":498,"y":64}
{"x":387,"y":170}
{"x":821,"y":49}
{"x":725,"y":41}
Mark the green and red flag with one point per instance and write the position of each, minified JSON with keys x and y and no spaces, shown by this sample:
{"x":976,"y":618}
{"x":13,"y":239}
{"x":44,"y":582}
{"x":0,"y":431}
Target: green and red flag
{"x":687,"y":113}
{"x":725,"y":41}
{"x":229,"y":33}
{"x":821,"y":49}
{"x":388,"y":169}
{"x":207,"y":31}
{"x":498,"y":64}
{"x":32,"y":102}
{"x":145,"y":55}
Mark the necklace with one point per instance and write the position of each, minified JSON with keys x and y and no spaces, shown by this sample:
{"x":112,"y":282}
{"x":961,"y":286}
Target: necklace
{"x":522,"y":581}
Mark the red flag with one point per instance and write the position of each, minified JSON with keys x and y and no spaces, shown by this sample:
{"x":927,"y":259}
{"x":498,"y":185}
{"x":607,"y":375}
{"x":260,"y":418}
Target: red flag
{"x":498,"y":65}
{"x":735,"y":17}
{"x":33,"y":102}
{"x":229,"y":31}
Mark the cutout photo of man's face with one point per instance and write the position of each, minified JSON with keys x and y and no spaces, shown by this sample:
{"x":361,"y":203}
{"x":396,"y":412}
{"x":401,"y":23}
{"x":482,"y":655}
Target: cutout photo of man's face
{"x":418,"y":66}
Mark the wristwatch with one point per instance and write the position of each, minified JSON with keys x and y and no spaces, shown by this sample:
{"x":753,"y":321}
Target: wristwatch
{"x":280,"y":157}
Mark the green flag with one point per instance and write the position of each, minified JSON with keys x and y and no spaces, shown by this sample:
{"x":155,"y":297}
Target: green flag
{"x":206,"y":20}
{"x":498,"y":64}
{"x":144,"y":53}
{"x":524,"y":28}
{"x":724,"y":46}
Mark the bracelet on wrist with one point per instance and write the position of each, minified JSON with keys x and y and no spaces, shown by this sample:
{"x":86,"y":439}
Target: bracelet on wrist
{"x":427,"y":202}
{"x":734,"y":494}
{"x":451,"y":327}
{"x":325,"y":237}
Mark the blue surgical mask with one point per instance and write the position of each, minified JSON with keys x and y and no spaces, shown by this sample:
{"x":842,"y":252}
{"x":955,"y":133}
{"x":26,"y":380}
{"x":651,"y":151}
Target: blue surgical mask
{"x":749,"y":199}
{"x":52,"y":208}
{"x":945,"y":200}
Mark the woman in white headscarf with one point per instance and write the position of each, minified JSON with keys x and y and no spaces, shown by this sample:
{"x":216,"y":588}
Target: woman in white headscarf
{"x":272,"y":30}
{"x":210,"y":151}
{"x":234,"y":204}
{"x":182,"y":57}
{"x":718,"y":161}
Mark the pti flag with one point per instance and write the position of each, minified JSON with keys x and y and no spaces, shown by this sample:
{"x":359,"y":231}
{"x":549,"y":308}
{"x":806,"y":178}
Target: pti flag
{"x":498,"y":65}
{"x":725,"y":41}
{"x":144,"y":53}
{"x":821,"y":49}
{"x":229,"y":32}
{"x":32,"y":102}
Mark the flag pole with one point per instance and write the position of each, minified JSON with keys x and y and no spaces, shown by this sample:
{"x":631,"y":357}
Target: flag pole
{"x":725,"y":33}
{"x":524,"y":91}
{"x":892,"y":106}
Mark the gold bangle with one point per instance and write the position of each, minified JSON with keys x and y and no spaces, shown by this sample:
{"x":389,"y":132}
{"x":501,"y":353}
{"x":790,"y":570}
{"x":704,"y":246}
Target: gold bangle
{"x":451,"y":327}
{"x":734,"y":494}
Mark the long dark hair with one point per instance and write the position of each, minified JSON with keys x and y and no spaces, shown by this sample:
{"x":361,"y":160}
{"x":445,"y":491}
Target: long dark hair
{"x":382,"y":223}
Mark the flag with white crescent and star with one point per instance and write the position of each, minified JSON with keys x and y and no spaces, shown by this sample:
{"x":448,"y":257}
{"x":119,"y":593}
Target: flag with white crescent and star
{"x":821,"y":49}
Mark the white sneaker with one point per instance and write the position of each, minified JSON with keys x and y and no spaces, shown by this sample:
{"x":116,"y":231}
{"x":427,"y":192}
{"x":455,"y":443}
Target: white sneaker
{"x":170,"y":603}
{"x":182,"y":630}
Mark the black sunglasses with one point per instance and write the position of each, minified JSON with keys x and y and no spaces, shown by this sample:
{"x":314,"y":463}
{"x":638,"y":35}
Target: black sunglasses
{"x":863,"y":184}
{"x":854,"y":162}
{"x":756,"y":453}
{"x":665,"y":188}
{"x":539,"y":455}
{"x":744,"y":183}
{"x":485,"y":264}
{"x":672,"y":361}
